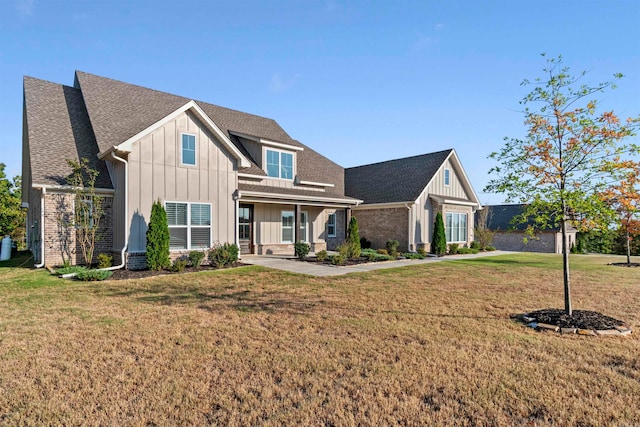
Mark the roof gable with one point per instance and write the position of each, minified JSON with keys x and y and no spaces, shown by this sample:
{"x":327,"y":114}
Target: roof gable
{"x":392,"y":181}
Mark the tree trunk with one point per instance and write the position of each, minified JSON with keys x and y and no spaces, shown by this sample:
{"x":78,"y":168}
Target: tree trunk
{"x":565,"y":265}
{"x":628,"y":248}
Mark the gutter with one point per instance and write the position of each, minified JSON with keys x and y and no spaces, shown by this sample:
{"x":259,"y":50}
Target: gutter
{"x":126,"y":212}
{"x":42,"y":194}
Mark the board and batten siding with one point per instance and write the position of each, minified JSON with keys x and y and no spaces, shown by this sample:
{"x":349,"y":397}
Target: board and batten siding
{"x":423,"y":211}
{"x":156,"y":172}
{"x":268,"y":222}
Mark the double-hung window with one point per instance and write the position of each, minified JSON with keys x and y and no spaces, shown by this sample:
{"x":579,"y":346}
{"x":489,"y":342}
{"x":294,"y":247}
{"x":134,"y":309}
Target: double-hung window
{"x":279,"y":164}
{"x":331,"y":225}
{"x":287,"y":226}
{"x":188,"y":149}
{"x":456,"y":227}
{"x":189,"y":225}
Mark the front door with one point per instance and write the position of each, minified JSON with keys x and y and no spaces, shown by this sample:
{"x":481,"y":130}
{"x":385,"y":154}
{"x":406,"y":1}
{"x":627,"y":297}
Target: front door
{"x":245,"y":228}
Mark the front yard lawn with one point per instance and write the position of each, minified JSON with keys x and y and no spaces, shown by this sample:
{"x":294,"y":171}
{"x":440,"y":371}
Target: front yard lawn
{"x":430,"y":344}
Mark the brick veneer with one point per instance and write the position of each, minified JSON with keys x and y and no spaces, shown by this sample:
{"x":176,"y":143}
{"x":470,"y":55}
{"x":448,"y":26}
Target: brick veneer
{"x":60,"y":240}
{"x":381,"y":225}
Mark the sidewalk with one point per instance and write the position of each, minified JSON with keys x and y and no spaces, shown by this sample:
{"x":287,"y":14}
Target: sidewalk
{"x":294,"y":266}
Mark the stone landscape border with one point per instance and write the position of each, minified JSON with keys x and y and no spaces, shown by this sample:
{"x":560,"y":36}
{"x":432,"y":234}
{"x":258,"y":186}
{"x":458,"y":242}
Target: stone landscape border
{"x":618,"y":331}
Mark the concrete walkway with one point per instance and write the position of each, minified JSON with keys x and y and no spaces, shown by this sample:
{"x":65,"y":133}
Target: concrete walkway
{"x":294,"y":266}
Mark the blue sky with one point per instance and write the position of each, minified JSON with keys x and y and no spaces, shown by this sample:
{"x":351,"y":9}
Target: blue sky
{"x":360,"y":82}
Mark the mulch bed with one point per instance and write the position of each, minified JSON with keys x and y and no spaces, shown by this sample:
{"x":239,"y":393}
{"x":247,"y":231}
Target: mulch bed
{"x":124,"y":274}
{"x":581,"y":319}
{"x":624,"y":264}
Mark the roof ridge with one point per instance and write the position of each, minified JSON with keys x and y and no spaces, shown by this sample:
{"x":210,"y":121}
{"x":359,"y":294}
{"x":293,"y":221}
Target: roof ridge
{"x":401,"y":158}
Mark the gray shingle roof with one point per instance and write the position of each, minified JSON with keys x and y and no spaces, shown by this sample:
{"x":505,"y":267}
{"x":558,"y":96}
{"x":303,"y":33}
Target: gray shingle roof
{"x":500,"y":217}
{"x":293,"y":192}
{"x":58,"y":129}
{"x":400,"y":180}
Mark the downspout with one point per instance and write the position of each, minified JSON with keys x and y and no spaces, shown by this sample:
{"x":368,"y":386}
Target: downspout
{"x":126,"y":212}
{"x":42,"y":194}
{"x":236,"y":198}
{"x":409,"y":228}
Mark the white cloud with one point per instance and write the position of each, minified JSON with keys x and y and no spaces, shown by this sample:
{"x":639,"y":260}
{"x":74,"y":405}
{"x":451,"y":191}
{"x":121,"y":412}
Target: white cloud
{"x":25,"y":7}
{"x":279,"y":83}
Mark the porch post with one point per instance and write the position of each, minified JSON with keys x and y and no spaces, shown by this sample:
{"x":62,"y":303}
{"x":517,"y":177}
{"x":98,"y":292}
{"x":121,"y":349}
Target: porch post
{"x":296,"y":226}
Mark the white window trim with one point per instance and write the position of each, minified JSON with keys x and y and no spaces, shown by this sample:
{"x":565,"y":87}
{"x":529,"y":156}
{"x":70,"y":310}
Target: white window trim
{"x":293,"y":229}
{"x":195,"y":149}
{"x":280,"y":152}
{"x":335,"y":219}
{"x":447,"y":177}
{"x":189,"y":226}
{"x":466,"y":228}
{"x":88,"y":201}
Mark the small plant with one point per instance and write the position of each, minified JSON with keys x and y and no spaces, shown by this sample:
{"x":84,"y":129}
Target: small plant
{"x":489,"y":248}
{"x":302,"y":249}
{"x":465,"y":251}
{"x":392,"y":247}
{"x":413,"y":255}
{"x":178,"y":265}
{"x":383,"y":251}
{"x":422,"y":251}
{"x":382,"y":257}
{"x":371,"y":256}
{"x":439,"y":239}
{"x":222,"y":255}
{"x":475,"y":245}
{"x":158,"y":238}
{"x":353,"y":239}
{"x":453,"y":248}
{"x":338,"y":259}
{"x":93,"y":275}
{"x":105,"y":260}
{"x":70,"y":269}
{"x":196,"y":257}
{"x":364,"y":243}
{"x":322,"y":255}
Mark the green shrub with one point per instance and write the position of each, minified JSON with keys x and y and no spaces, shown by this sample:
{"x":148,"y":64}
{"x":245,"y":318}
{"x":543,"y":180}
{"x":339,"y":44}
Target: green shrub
{"x":344,"y":250}
{"x":72,"y":269}
{"x":178,"y":265}
{"x":302,"y":249}
{"x":158,"y":238}
{"x":105,"y":260}
{"x":338,"y":259}
{"x":439,"y":239}
{"x":383,"y":252}
{"x":93,"y":275}
{"x":382,"y":257}
{"x":222,"y":255}
{"x":364,"y":243}
{"x":412,"y":255}
{"x":489,"y":248}
{"x":392,"y":247}
{"x":196,"y":257}
{"x":353,"y":239}
{"x":468,"y":250}
{"x":453,"y":248}
{"x":475,"y":245}
{"x":422,"y":251}
{"x":322,"y":255}
{"x":371,"y":256}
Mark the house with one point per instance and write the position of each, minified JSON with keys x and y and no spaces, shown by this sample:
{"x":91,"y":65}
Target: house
{"x":221,"y":174}
{"x":510,"y":236}
{"x":402,"y":197}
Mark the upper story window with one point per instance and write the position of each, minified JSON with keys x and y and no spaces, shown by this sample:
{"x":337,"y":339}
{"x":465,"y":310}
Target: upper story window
{"x":447,"y":177}
{"x":188,"y":149}
{"x":279,"y":164}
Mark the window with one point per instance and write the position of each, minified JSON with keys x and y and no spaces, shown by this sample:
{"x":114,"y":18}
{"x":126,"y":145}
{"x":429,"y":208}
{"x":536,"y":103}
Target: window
{"x":83,"y":212}
{"x":188,"y":149}
{"x":331,"y":225}
{"x":189,"y":225}
{"x":287,"y":226}
{"x":456,"y":227}
{"x":447,"y":177}
{"x":279,"y":164}
{"x":304,"y":218}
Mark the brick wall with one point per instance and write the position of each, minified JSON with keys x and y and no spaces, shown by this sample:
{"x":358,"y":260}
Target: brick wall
{"x":381,"y":225}
{"x":60,"y":235}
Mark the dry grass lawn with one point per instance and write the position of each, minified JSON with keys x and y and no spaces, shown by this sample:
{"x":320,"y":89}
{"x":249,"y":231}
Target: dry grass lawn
{"x":423,"y":345}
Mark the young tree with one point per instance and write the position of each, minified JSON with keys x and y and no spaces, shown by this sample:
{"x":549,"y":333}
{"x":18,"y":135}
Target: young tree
{"x":439,"y":238}
{"x":624,"y":198}
{"x":11,"y":215}
{"x":158,"y":238}
{"x":483,"y":234}
{"x":353,"y":238}
{"x":87,"y":206}
{"x":571,"y":153}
